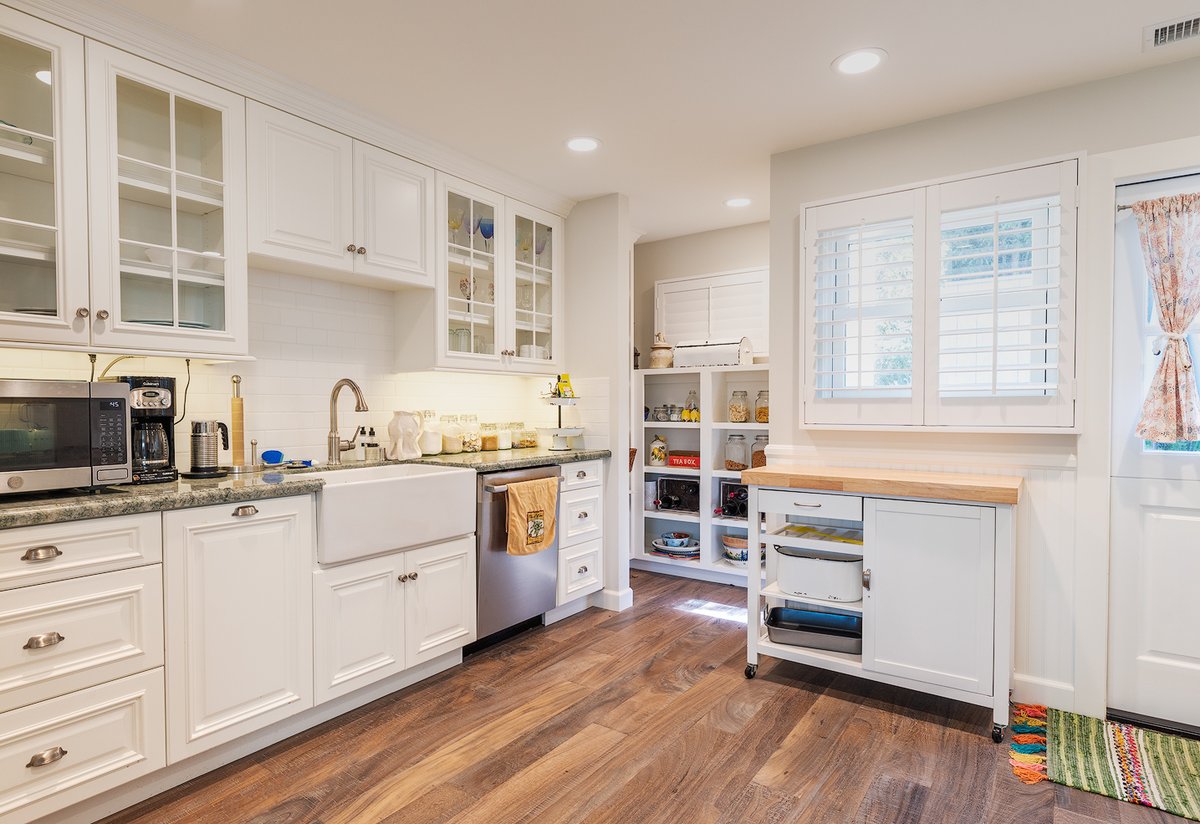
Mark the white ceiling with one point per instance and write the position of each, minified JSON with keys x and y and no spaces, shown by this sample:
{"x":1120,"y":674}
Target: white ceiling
{"x":690,"y":97}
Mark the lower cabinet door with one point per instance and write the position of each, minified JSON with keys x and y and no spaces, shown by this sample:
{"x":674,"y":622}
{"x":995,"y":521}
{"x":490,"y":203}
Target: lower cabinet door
{"x":238,"y":619}
{"x":928,"y":613}
{"x":579,"y":571}
{"x":359,"y":625}
{"x":439,"y":599}
{"x":58,"y":752}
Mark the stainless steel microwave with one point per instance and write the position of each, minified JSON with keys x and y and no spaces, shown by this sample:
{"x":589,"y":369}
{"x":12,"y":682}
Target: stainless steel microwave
{"x":63,"y":434}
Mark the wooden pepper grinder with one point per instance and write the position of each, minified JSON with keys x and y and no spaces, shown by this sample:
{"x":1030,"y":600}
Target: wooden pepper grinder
{"x":237,"y":419}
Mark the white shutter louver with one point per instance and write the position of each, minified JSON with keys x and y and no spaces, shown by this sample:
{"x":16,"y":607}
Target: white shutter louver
{"x":714,"y":307}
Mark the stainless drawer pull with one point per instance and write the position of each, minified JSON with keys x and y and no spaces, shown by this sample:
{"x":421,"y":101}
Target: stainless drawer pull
{"x":866,"y":579}
{"x":806,"y":506}
{"x":245,"y":511}
{"x":45,"y":757}
{"x":581,"y":474}
{"x":582,"y":570}
{"x":583,"y":514}
{"x":41,"y":553}
{"x":46,"y":639}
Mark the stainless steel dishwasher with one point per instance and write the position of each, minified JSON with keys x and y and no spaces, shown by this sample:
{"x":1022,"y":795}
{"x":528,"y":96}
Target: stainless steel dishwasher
{"x":511,"y":588}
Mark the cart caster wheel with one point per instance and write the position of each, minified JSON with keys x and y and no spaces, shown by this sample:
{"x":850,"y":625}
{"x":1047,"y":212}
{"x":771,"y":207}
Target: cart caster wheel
{"x":751,"y":669}
{"x":997,"y":733}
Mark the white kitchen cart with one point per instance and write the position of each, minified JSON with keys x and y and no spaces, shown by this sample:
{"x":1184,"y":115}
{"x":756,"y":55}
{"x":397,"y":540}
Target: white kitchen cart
{"x":937,"y":551}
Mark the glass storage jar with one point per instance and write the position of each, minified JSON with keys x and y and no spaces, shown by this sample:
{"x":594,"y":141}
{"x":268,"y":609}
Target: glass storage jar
{"x":758,"y":451}
{"x":739,"y":407}
{"x":470,"y":433}
{"x":662,"y":413}
{"x":762,"y":407}
{"x":503,"y":436}
{"x":430,"y":439}
{"x":523,"y":437}
{"x":489,"y":437}
{"x":691,"y":407}
{"x":452,"y":435}
{"x":735,"y":453}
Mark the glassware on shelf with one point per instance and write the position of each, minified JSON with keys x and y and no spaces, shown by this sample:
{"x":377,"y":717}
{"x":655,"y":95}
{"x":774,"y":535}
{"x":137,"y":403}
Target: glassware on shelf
{"x":758,"y":451}
{"x":658,"y":452}
{"x":739,"y":407}
{"x":471,"y":437}
{"x":736,"y":458}
{"x":487,"y":228}
{"x":762,"y":407}
{"x":452,"y":435}
{"x":455,"y":222}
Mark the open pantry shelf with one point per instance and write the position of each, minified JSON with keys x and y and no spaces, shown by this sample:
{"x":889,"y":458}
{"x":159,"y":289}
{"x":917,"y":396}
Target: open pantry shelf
{"x":772,"y":590}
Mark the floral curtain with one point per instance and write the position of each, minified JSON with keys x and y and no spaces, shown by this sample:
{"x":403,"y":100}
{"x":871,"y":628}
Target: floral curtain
{"x":1170,"y":232}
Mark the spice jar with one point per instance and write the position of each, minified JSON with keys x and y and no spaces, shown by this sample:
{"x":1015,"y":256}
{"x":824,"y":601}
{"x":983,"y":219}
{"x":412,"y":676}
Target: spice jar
{"x":758,"y":451}
{"x":430,"y":439}
{"x":762,"y":407}
{"x":489,"y":437}
{"x":470,"y":433}
{"x":735,"y":453}
{"x":739,"y":407}
{"x":452,"y":435}
{"x":658,"y":451}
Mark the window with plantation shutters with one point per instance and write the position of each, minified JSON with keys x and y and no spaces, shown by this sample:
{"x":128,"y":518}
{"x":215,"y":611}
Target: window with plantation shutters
{"x":949,"y":305}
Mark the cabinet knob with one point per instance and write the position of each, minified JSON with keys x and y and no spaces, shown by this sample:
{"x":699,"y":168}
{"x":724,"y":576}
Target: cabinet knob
{"x":82,"y":312}
{"x":583,"y":570}
{"x":866,"y":579}
{"x":45,"y":757}
{"x":581,"y":474}
{"x":582,"y":515}
{"x":46,"y":639}
{"x":412,"y":577}
{"x":245,"y":511}
{"x":362,"y":250}
{"x":402,"y":578}
{"x":102,"y":314}
{"x":351,"y":248}
{"x":41,"y":553}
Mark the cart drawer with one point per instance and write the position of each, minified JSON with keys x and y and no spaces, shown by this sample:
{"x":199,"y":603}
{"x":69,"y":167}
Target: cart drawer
{"x":812,"y":504}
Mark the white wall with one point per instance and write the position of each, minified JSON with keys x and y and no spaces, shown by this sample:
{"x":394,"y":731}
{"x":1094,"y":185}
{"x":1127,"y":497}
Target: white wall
{"x":704,"y":253}
{"x":306,"y":334}
{"x":1063,"y":523}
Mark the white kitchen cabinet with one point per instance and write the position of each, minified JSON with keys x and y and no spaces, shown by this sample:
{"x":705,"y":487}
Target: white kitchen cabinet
{"x":55,"y":552}
{"x":580,"y":571}
{"x":238,"y":619}
{"x":581,"y":516}
{"x":167,"y":208}
{"x":379,"y":616}
{"x":497,"y":304}
{"x":323,"y":202}
{"x":43,"y":183}
{"x":580,"y":531}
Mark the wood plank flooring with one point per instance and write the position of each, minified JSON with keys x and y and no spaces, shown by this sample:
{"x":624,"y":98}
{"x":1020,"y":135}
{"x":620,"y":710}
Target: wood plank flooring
{"x":634,"y":717}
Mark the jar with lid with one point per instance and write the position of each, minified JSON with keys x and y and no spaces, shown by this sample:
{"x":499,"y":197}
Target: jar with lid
{"x":470,"y":432}
{"x":452,"y":435}
{"x":658,"y":451}
{"x":430,"y":439}
{"x":739,"y":406}
{"x":673,"y":413}
{"x":762,"y":407}
{"x":662,"y":413}
{"x":758,"y":451}
{"x":489,"y":437}
{"x":736,"y":458}
{"x":523,"y":437}
{"x":504,"y":436}
{"x":691,"y":407}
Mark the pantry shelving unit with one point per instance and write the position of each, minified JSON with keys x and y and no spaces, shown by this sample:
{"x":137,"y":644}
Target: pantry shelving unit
{"x":655,"y":387}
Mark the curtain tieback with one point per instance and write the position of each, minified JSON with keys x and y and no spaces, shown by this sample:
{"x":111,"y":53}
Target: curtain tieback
{"x":1162,"y":339}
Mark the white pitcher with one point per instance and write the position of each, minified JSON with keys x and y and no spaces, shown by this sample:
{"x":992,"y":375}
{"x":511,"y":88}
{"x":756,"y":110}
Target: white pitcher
{"x":404,"y":429}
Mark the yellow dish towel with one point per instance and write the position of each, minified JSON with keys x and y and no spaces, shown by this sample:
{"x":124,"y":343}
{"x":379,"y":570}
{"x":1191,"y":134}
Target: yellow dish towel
{"x":531,"y":508}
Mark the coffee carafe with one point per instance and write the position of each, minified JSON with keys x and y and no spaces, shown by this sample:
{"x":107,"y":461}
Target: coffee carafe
{"x":152,"y":428}
{"x":205,"y":446}
{"x":149,"y":445}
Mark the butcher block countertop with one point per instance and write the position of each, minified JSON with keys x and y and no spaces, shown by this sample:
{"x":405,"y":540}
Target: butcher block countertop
{"x":900,"y":483}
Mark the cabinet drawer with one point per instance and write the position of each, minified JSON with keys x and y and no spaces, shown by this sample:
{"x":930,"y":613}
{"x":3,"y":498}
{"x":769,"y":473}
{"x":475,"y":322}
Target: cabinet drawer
{"x":87,"y":742}
{"x":64,"y":636}
{"x":54,"y":552}
{"x":583,"y":474}
{"x":581,"y":516}
{"x":579,"y":571}
{"x":812,"y":504}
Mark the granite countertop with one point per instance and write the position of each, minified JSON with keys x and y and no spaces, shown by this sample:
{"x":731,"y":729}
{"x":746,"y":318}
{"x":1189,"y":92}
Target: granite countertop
{"x":513,"y":458}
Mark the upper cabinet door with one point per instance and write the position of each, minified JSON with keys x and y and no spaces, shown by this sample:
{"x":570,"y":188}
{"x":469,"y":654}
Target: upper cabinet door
{"x":301,"y":184}
{"x":472,"y":292}
{"x":168,"y":221}
{"x":43,"y":183}
{"x":393,"y":217}
{"x":534,"y":249}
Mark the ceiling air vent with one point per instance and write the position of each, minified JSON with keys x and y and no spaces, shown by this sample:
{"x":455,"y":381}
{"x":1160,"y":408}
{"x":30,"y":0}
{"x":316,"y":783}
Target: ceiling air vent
{"x":1173,"y":31}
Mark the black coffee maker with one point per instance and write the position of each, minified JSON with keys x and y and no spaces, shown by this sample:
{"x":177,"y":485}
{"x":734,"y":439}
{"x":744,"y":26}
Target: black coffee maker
{"x":152,"y":428}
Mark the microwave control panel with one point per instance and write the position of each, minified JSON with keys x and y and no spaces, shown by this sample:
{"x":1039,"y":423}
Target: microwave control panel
{"x":110,"y":432}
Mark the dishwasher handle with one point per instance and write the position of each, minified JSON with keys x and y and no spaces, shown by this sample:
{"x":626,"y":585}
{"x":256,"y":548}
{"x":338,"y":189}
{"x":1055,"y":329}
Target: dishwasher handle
{"x":496,"y":490}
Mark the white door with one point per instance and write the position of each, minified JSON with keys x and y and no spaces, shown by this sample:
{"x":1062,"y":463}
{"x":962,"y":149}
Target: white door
{"x":439,"y":599}
{"x":238,"y":619}
{"x":473,"y":293}
{"x":359,"y":625}
{"x":534,"y":311}
{"x":301,"y":190}
{"x":928,"y":612}
{"x":393,"y":217}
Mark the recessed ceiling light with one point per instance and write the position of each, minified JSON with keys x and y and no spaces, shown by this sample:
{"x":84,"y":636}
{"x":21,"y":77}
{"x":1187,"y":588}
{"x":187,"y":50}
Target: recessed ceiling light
{"x":737,"y":202}
{"x":859,"y":61}
{"x":583,"y":144}
{"x":44,"y":76}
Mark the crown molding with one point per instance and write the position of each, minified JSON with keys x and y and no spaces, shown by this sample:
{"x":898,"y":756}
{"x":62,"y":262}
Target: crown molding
{"x":161,"y":44}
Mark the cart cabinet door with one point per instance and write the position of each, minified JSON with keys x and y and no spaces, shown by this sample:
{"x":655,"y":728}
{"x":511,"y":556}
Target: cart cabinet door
{"x":928,"y":613}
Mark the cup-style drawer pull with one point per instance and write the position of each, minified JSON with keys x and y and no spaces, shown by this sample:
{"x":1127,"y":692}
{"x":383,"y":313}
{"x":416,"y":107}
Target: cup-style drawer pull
{"x":245,"y":511}
{"x":46,"y":639}
{"x":581,"y":474}
{"x":41,"y":553}
{"x":806,"y":506}
{"x":583,"y":514}
{"x":866,"y":579}
{"x":45,"y":757}
{"x":582,"y":570}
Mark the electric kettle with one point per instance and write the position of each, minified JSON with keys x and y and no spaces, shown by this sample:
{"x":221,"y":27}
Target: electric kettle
{"x":205,"y":447}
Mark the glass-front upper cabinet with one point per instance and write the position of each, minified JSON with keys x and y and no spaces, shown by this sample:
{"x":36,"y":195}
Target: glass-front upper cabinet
{"x":167,"y":167}
{"x":535,"y":262}
{"x":43,"y":184}
{"x":474,"y":287}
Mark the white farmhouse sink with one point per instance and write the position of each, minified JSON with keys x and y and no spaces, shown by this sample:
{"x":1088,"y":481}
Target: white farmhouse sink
{"x":377,"y":509}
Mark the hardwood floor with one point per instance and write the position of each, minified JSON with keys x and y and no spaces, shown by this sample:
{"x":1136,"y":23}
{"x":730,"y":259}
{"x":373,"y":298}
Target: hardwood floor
{"x":641,"y":716}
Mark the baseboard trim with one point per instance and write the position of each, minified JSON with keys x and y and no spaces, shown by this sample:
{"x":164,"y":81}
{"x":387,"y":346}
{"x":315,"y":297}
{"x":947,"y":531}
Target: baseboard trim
{"x":712,"y":576}
{"x":565,"y":611}
{"x":1028,"y":689}
{"x":614,"y":600}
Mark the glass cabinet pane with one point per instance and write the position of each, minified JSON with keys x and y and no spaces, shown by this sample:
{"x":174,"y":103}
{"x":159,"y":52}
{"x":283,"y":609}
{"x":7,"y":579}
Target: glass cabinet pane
{"x":533,"y":256}
{"x":471,"y":276}
{"x":29,"y":223}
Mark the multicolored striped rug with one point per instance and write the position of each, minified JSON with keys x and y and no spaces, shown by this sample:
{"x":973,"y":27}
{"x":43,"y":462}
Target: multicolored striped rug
{"x":1117,"y":760}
